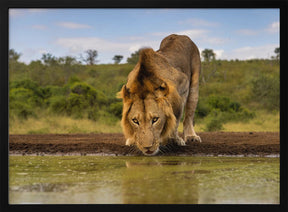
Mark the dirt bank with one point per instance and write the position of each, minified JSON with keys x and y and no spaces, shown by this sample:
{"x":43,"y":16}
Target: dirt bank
{"x":213,"y":143}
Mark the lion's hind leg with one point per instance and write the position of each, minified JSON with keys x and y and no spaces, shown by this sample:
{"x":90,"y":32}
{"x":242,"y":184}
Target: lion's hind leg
{"x":190,"y":107}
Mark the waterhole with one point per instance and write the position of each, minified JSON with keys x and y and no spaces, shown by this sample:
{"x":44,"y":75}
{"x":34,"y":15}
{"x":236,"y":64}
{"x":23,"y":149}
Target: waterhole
{"x":143,"y":180}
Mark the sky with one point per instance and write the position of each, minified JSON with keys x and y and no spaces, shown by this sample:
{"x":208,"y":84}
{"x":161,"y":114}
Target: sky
{"x":231,"y":33}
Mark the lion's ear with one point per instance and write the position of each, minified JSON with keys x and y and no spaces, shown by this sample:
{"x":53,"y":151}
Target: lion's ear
{"x":162,"y":90}
{"x":124,"y":93}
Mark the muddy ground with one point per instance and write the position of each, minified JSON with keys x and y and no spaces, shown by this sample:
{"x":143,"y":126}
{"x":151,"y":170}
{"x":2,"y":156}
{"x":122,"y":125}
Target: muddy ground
{"x":213,"y":143}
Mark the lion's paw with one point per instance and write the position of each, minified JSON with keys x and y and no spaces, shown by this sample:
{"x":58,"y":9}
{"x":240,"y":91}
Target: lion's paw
{"x":193,"y":138}
{"x":180,"y":141}
{"x":128,"y":142}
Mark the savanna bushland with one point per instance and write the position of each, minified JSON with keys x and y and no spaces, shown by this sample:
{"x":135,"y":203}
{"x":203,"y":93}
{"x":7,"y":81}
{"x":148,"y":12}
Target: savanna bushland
{"x":64,"y":95}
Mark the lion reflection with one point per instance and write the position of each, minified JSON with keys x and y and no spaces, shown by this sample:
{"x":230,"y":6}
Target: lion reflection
{"x":160,"y":181}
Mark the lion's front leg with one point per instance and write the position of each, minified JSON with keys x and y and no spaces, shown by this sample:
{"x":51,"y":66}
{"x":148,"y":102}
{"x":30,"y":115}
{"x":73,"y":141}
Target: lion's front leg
{"x":129,"y":142}
{"x":176,"y":138}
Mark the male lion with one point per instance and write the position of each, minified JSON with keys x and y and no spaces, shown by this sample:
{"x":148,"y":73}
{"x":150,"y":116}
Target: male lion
{"x":158,"y":88}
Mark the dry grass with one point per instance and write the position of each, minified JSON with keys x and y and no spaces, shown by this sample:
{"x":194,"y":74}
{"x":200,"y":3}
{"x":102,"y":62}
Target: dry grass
{"x":59,"y":125}
{"x":263,"y":121}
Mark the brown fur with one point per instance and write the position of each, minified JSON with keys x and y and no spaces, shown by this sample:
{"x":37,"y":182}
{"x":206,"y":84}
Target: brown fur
{"x":158,"y":87}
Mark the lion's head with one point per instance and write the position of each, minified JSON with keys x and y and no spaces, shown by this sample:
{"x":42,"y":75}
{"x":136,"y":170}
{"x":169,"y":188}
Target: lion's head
{"x":147,"y":118}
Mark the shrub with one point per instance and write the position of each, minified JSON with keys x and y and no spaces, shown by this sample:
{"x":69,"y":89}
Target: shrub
{"x":53,"y":90}
{"x":93,"y":114}
{"x":20,"y":94}
{"x":219,"y":102}
{"x":21,"y":109}
{"x":203,"y":109}
{"x":58,"y":104}
{"x":266,"y":90}
{"x":93,"y":96}
{"x":75,"y":105}
{"x":80,"y":88}
{"x":214,"y":125}
{"x":116,"y":109}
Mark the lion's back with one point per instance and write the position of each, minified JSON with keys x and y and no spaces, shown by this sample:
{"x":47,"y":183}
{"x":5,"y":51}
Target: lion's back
{"x":179,"y":50}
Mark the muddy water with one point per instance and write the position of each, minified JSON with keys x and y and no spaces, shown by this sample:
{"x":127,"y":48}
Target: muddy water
{"x":152,"y":180}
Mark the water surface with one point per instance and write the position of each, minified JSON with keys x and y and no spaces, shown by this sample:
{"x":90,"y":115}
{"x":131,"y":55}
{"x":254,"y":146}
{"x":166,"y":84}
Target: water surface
{"x":141,"y":180}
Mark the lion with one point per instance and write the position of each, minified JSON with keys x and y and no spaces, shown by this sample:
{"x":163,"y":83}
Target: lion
{"x":157,"y":89}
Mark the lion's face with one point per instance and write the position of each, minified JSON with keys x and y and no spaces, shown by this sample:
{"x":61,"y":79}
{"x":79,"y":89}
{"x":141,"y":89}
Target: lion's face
{"x":147,"y":120}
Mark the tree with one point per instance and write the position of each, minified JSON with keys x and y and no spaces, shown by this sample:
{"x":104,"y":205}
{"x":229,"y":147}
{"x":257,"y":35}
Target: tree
{"x":91,"y":56}
{"x":68,"y":61}
{"x":133,"y":59}
{"x":277,"y":52}
{"x":117,"y":59}
{"x":49,"y":59}
{"x":13,"y":55}
{"x":208,"y":69}
{"x":208,"y":55}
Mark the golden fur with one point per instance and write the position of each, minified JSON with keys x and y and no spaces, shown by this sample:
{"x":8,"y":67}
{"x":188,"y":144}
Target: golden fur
{"x":156,"y":92}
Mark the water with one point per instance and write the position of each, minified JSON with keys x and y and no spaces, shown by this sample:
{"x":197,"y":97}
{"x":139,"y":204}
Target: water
{"x":141,"y":180}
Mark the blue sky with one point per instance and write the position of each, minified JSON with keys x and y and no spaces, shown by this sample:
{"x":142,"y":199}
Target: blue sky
{"x":231,"y":33}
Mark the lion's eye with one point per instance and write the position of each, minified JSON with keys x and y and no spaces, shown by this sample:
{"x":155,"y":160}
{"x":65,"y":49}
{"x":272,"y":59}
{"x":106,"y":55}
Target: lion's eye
{"x":135,"y":121}
{"x":155,"y":119}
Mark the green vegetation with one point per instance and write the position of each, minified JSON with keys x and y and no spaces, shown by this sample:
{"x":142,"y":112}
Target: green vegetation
{"x":44,"y":91}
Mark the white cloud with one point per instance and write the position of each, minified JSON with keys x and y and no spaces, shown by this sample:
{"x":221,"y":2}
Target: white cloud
{"x":20,"y":12}
{"x":274,"y":27}
{"x":249,"y":52}
{"x":72,"y":25}
{"x":106,"y":49}
{"x":198,"y":22}
{"x":247,"y":32}
{"x":215,"y":40}
{"x":39,"y":26}
{"x":193,"y":33}
{"x":218,"y":53}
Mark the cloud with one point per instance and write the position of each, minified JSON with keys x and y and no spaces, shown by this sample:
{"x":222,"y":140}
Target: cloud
{"x":21,"y":12}
{"x":249,"y":52}
{"x":218,"y":53}
{"x":105,"y":48}
{"x":274,"y":27}
{"x":247,"y":32}
{"x":199,"y":22}
{"x":72,"y":25}
{"x":193,"y":33}
{"x":39,"y":26}
{"x":215,"y":40}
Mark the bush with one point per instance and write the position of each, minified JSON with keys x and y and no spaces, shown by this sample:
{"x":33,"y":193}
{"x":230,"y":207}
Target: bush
{"x":116,"y":109}
{"x":214,"y":125}
{"x":20,"y":94}
{"x":93,"y":96}
{"x":28,"y":84}
{"x":75,"y":105}
{"x":21,"y":109}
{"x":93,"y":114}
{"x":58,"y":104}
{"x":219,"y":102}
{"x":54,"y":90}
{"x":266,"y":91}
{"x":202,"y":110}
